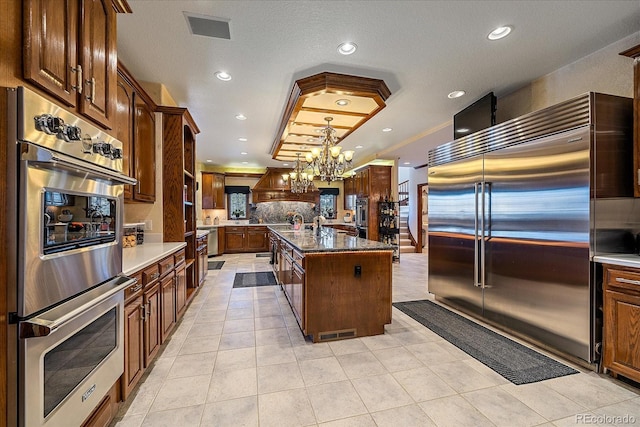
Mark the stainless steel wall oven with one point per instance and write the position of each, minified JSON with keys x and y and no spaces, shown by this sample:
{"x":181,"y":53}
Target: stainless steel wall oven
{"x":68,"y":298}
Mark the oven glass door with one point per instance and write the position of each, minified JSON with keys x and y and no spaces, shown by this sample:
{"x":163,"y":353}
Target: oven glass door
{"x":68,"y":363}
{"x":74,"y":221}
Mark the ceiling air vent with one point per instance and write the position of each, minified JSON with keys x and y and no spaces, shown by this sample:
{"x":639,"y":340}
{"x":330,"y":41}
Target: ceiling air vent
{"x":208,"y":26}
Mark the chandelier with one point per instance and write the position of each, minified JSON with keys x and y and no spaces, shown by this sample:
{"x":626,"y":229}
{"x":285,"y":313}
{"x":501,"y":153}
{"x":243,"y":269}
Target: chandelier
{"x":328,"y":162}
{"x":300,"y":179}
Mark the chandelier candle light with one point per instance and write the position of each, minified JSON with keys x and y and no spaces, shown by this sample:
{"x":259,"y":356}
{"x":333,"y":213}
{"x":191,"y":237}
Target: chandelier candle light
{"x":300,"y":179}
{"x":328,"y":162}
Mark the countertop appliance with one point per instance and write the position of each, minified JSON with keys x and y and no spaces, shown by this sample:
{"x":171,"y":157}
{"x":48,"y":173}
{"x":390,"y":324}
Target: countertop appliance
{"x":67,"y":314}
{"x":517,"y":211}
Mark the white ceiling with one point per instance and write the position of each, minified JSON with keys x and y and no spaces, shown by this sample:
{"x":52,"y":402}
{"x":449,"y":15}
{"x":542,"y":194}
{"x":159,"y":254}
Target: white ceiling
{"x":422,"y":50}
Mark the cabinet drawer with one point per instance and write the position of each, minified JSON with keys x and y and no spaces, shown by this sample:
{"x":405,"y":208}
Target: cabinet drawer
{"x":623,"y":279}
{"x":166,"y":265}
{"x":135,"y":289}
{"x":235,"y":229}
{"x":150,"y":274}
{"x":179,"y":257}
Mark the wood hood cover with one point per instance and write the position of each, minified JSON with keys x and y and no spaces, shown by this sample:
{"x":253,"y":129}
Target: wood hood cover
{"x":272,"y":188}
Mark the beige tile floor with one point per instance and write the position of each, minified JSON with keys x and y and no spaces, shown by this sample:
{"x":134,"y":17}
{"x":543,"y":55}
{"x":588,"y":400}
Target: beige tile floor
{"x":238,"y":358}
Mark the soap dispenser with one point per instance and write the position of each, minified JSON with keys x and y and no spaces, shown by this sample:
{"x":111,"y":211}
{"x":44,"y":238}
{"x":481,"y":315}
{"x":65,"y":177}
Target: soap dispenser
{"x":216,"y":221}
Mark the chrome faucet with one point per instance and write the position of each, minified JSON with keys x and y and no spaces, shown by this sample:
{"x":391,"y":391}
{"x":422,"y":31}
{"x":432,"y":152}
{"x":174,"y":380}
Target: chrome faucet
{"x":301,"y":219}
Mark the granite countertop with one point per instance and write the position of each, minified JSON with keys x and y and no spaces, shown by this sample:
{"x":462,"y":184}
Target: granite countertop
{"x":329,"y":241}
{"x":625,"y":260}
{"x":141,"y":256}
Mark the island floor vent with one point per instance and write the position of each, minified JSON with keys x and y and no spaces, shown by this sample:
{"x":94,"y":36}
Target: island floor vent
{"x":337,"y":335}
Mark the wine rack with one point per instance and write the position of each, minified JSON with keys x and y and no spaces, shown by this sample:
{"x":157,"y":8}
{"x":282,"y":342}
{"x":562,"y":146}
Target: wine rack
{"x":389,"y":226}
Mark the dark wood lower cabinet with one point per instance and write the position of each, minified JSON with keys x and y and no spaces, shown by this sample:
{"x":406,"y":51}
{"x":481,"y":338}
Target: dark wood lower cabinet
{"x":168,"y":300}
{"x":152,"y":327}
{"x":622,"y":322}
{"x":106,"y":409}
{"x":254,"y":238}
{"x":181,"y":290}
{"x":133,"y":344}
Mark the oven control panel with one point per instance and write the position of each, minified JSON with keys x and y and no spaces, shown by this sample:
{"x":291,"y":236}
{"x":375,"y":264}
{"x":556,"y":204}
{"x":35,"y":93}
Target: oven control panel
{"x":52,"y":125}
{"x":43,"y":123}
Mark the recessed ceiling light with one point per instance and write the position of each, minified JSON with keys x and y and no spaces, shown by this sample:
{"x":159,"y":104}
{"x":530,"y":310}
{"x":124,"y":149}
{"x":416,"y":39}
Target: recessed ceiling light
{"x":209,"y":160}
{"x":285,"y":164}
{"x":343,"y":102}
{"x":358,"y":146}
{"x":500,"y":32}
{"x":244,"y":153}
{"x":241,"y":117}
{"x":456,"y":94}
{"x":317,"y":130}
{"x":387,"y":130}
{"x":347,"y":48}
{"x":225,"y":77}
{"x":407,"y":163}
{"x":310,"y":140}
{"x":242,"y":139}
{"x":244,"y":163}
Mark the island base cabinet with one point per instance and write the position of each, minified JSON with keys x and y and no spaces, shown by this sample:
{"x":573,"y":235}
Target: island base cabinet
{"x":346,"y":295}
{"x":622,"y":322}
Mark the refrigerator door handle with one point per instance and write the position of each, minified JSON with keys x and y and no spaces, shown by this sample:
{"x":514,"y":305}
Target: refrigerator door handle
{"x":484,"y":229}
{"x":476,"y":253}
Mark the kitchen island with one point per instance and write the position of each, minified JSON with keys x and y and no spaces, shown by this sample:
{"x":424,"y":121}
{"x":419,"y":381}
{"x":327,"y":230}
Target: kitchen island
{"x":338,"y":286}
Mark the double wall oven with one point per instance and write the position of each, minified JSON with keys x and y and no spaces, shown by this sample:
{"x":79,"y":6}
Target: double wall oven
{"x":67,"y":300}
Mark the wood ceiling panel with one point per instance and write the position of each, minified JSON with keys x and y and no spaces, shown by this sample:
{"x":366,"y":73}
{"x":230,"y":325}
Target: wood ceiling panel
{"x":314,"y":98}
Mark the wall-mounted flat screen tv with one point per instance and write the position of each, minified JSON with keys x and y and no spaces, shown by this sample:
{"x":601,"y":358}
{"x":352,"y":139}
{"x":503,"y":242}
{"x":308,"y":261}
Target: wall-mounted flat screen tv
{"x":477,"y":116}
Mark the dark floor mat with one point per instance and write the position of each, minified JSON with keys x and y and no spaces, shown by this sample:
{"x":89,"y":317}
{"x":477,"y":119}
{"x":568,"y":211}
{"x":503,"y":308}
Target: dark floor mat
{"x":515,"y":362}
{"x":247,"y":280}
{"x":263,"y":255}
{"x":215,"y":265}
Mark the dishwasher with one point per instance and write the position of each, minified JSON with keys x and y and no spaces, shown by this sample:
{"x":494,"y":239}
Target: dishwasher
{"x":212,"y":241}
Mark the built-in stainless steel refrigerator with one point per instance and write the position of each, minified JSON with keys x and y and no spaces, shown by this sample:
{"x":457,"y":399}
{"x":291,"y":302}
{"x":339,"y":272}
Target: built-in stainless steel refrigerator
{"x":517,"y":211}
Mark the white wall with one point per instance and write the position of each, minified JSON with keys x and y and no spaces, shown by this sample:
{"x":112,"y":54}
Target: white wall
{"x":603,"y":71}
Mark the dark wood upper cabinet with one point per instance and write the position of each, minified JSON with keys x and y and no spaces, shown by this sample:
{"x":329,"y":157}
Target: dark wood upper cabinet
{"x":212,"y":191}
{"x":135,"y":127}
{"x":70,"y":52}
{"x":124,"y":130}
{"x":144,"y":151}
{"x":50,"y":43}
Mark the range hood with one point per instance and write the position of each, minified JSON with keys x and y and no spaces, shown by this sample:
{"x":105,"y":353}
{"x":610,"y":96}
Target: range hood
{"x":272,"y":188}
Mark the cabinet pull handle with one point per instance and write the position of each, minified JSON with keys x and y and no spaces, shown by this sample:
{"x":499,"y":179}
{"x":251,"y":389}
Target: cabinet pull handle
{"x":154,"y":276}
{"x":136,"y":287}
{"x":78,"y":86}
{"x":629,"y":281}
{"x":149,"y":305}
{"x":169,"y":266}
{"x":92,"y":95}
{"x":144,"y":316}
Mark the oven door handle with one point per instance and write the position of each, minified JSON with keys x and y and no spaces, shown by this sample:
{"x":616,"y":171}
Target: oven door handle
{"x":42,"y":155}
{"x":48,"y":322}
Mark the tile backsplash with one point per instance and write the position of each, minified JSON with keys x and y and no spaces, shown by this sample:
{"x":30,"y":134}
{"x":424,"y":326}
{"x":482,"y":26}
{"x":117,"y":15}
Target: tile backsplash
{"x":276,"y":212}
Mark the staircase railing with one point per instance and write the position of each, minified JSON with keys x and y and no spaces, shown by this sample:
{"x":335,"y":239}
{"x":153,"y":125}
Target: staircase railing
{"x":403,"y":193}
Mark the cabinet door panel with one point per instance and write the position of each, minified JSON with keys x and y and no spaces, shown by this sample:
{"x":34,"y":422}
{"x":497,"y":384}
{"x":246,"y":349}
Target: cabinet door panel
{"x":168,"y":301}
{"x":181,"y":291}
{"x":98,"y":58}
{"x":234,"y":241}
{"x":144,"y":154}
{"x":123,"y":121}
{"x":257,"y":240}
{"x":133,"y":345}
{"x":152,"y":323}
{"x":50,"y":52}
{"x":207,"y":191}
